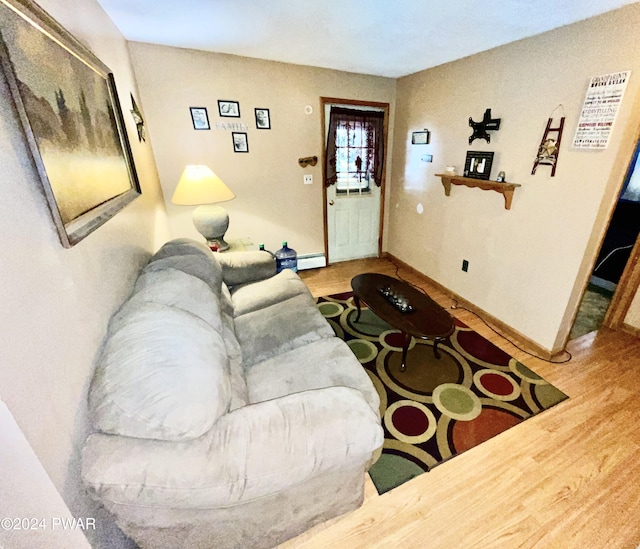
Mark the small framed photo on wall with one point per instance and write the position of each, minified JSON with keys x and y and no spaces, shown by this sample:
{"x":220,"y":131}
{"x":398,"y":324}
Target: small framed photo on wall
{"x":421,"y":138}
{"x":263,"y":120}
{"x":240,"y":142}
{"x":199,"y":118}
{"x":228,"y":108}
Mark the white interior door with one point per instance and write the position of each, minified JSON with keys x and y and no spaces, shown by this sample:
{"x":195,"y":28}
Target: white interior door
{"x":353,"y":224}
{"x":353,"y":218}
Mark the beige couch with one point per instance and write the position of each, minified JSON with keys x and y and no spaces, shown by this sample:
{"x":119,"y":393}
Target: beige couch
{"x":226,"y":412}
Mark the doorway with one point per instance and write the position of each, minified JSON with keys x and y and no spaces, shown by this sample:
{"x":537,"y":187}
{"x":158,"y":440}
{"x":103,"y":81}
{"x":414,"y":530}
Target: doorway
{"x":354,"y":147}
{"x":619,"y":242}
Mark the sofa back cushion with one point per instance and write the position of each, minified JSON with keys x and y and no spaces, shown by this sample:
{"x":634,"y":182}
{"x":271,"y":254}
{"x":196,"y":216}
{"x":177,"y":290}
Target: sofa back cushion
{"x":176,"y":288}
{"x":162,"y":373}
{"x":190,"y":257}
{"x":182,"y":246}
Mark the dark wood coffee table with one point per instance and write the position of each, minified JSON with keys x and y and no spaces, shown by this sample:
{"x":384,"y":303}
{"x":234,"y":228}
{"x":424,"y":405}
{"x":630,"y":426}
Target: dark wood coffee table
{"x":426,"y":320}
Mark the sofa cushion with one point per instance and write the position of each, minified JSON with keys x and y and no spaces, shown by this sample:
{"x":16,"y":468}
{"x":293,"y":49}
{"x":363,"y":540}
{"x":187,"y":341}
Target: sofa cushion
{"x":239,"y":395}
{"x":249,"y":454}
{"x":182,"y":246}
{"x":176,"y":288}
{"x":251,"y":297}
{"x":279,"y":328}
{"x":196,"y":264}
{"x":162,"y":373}
{"x":244,"y":267}
{"x":324,"y":363}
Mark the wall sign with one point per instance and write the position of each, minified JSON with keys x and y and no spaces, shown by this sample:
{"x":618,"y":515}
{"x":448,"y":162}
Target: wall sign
{"x":601,"y":104}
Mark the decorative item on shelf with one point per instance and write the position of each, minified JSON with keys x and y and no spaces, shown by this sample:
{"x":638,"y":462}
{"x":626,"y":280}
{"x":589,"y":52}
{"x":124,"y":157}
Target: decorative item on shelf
{"x":421,"y":138}
{"x":501,"y":177}
{"x":397,"y":300}
{"x":478,"y":164}
{"x":450,"y":170}
{"x":549,"y":148}
{"x":480,"y":129}
{"x":199,"y":186}
{"x":137,"y":118}
{"x":308,"y":161}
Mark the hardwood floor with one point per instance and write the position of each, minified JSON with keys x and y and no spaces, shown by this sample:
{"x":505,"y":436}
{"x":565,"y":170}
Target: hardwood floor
{"x":569,"y":477}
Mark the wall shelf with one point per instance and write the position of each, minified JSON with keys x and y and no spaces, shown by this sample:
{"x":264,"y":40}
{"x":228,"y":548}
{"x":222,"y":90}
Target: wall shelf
{"x":506,"y":189}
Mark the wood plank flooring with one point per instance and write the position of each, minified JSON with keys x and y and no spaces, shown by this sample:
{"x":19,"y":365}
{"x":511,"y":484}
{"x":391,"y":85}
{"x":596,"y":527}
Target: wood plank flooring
{"x":569,"y":477}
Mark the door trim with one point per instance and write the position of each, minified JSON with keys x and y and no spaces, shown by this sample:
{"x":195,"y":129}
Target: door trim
{"x":374,"y":104}
{"x":629,"y":282}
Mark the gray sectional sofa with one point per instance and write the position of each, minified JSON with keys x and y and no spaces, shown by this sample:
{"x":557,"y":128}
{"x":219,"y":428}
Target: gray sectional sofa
{"x":226,"y":412}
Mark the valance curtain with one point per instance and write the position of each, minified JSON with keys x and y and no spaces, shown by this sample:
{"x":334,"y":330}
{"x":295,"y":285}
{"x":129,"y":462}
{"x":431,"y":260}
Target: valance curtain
{"x":353,"y":120}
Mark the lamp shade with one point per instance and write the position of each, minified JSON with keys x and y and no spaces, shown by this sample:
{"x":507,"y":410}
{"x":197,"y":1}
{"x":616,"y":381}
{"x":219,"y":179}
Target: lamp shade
{"x":199,"y":185}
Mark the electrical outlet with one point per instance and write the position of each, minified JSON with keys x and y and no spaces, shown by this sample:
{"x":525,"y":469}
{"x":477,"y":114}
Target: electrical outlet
{"x":308,"y":179}
{"x":465,"y":265}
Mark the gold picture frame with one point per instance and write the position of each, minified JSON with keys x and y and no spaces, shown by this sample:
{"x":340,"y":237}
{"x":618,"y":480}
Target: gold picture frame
{"x":68,"y":106}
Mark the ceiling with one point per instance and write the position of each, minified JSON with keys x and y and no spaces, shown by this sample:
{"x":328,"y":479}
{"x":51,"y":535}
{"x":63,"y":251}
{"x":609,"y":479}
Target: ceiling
{"x":390,"y":38}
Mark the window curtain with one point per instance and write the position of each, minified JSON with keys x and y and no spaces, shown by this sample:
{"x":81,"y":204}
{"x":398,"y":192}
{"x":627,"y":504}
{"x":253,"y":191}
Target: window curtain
{"x":350,"y":119}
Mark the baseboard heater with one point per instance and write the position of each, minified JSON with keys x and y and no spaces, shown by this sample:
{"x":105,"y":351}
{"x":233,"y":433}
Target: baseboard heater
{"x":311,"y":261}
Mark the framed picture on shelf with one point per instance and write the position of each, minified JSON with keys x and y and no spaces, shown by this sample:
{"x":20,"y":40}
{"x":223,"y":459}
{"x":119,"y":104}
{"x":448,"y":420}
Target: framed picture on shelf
{"x":263,"y":120}
{"x":240,"y":142}
{"x":478,"y":164}
{"x":67,"y":103}
{"x":200,"y":118}
{"x":229,"y":108}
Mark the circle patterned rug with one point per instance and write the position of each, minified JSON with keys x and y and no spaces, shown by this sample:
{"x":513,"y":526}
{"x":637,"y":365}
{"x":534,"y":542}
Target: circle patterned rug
{"x":437,"y":408}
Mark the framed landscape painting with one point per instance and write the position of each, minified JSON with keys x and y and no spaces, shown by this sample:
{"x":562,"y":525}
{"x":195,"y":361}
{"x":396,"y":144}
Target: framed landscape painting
{"x":68,"y":105}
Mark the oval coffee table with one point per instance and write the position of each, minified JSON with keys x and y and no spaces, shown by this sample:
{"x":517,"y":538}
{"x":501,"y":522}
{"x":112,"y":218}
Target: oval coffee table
{"x":425,"y":320}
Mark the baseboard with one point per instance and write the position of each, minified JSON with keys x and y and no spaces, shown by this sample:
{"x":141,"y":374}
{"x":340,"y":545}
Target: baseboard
{"x":504,"y":329}
{"x":630,"y":329}
{"x":311,"y":261}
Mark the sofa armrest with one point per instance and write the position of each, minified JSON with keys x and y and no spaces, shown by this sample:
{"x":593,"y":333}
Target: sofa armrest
{"x":244,"y":267}
{"x":252,"y":452}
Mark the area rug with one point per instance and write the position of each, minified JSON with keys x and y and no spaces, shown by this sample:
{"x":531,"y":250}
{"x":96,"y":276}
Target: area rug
{"x":437,"y":408}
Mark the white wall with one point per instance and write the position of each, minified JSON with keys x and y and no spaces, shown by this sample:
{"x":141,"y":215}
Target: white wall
{"x":56,"y":302}
{"x":272,"y":204}
{"x":527,"y":265}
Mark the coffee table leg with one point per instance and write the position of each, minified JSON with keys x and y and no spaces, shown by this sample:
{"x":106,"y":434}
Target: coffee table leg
{"x":405,"y":347}
{"x":436,"y":353}
{"x":356,"y":300}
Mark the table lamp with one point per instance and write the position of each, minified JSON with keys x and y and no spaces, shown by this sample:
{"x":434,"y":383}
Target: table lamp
{"x":198,"y":185}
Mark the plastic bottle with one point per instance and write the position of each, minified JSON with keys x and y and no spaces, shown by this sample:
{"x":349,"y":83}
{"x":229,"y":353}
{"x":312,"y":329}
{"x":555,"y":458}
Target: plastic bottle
{"x":286,"y":258}
{"x":263,"y":249}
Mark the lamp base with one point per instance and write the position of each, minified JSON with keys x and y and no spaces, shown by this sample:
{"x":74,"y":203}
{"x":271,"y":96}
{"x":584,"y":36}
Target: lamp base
{"x":212,"y":221}
{"x":218,"y":245}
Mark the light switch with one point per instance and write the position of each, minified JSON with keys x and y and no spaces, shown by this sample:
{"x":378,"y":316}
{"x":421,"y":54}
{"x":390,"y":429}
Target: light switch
{"x":308,"y":179}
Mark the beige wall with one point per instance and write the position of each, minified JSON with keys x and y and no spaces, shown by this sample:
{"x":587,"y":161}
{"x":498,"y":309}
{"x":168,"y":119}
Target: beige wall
{"x":272,"y":203}
{"x":527,"y":265}
{"x":56,"y":302}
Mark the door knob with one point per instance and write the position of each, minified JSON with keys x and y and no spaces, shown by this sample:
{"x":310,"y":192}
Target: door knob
{"x":330,"y":202}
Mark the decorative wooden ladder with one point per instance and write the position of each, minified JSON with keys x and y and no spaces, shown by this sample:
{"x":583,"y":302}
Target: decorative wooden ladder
{"x":546,"y":156}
